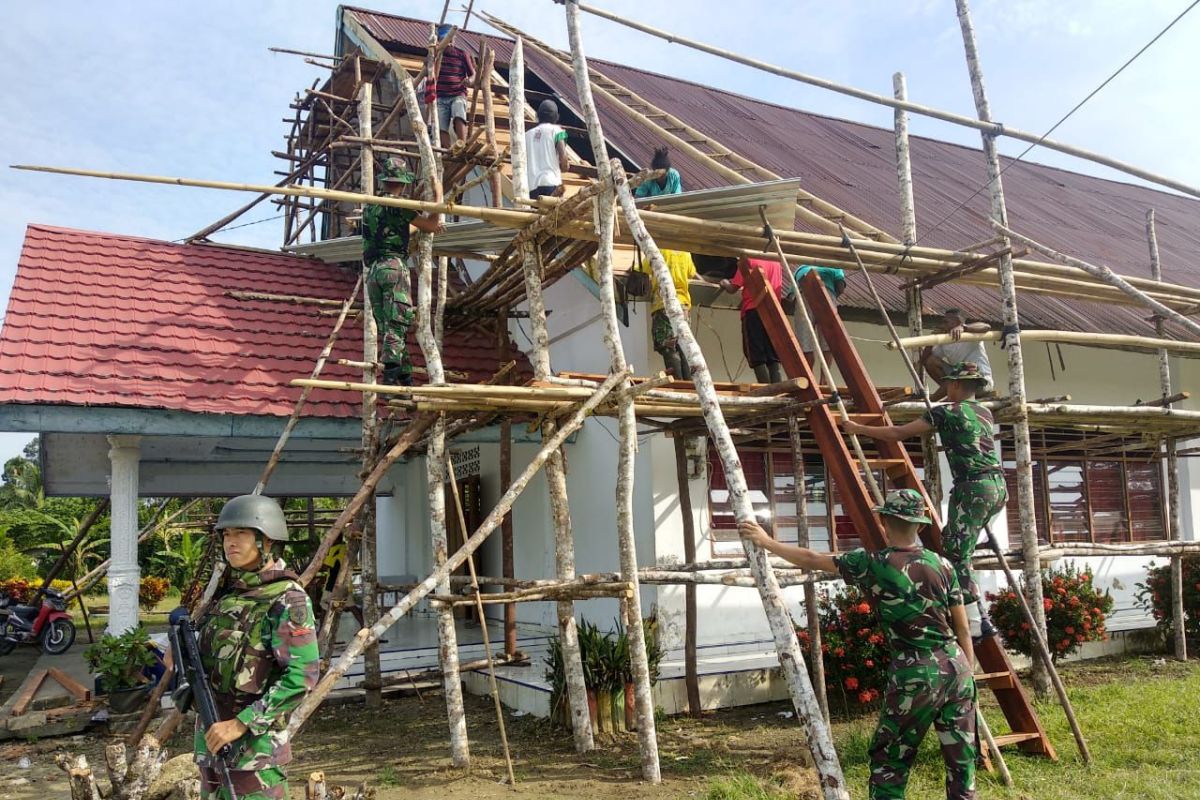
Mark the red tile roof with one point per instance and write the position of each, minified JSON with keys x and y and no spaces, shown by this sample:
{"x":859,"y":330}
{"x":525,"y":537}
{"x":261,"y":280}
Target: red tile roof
{"x":99,"y":319}
{"x":852,"y":165}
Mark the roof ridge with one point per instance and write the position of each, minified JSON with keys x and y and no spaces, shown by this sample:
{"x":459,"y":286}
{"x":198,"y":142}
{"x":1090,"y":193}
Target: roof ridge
{"x":125,"y":237}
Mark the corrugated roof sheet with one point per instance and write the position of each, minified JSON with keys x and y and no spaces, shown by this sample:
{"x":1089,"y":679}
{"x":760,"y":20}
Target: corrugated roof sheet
{"x":853,"y":166}
{"x":99,"y":319}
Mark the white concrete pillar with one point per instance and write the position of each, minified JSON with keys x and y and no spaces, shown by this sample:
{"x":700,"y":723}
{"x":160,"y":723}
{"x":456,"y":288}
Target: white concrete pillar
{"x":389,"y":534}
{"x":123,"y":574}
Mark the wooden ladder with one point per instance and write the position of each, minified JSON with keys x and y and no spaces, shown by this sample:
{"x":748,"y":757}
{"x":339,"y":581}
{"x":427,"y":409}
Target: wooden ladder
{"x":998,"y":674}
{"x":703,"y":148}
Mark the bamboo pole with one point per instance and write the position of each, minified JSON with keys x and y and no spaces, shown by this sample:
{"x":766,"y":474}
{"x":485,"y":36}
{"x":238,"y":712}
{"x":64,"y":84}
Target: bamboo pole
{"x":913,"y":294}
{"x":1174,"y":518}
{"x":627,"y":428}
{"x":812,"y":613}
{"x":790,"y":657}
{"x":556,"y":477}
{"x":984,"y":124}
{"x":1016,"y":362}
{"x":1107,"y":340}
{"x":489,"y":122}
{"x":691,"y":680}
{"x":507,"y":557}
{"x":483,"y":627}
{"x":489,"y":524}
{"x":435,"y":454}
{"x":1105,"y":275}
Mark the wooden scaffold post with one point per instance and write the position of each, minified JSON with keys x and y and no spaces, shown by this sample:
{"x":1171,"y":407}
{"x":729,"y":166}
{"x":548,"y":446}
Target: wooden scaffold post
{"x":1174,"y":518}
{"x":791,"y":659}
{"x":804,"y":539}
{"x":691,"y":679}
{"x":913,"y":300}
{"x":556,"y":476}
{"x":1018,"y":408}
{"x":372,"y":671}
{"x":627,"y":427}
{"x":435,"y":454}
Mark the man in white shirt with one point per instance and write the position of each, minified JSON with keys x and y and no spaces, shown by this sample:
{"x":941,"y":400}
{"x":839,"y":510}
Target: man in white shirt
{"x":545,"y":153}
{"x":939,"y":358}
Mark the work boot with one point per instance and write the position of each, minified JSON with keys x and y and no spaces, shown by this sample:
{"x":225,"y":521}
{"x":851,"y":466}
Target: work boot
{"x":775,"y":372}
{"x":396,"y":375}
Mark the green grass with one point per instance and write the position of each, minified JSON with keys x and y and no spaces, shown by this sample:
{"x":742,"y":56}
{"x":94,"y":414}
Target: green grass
{"x":388,"y":777}
{"x":743,"y":786}
{"x":1139,"y":724}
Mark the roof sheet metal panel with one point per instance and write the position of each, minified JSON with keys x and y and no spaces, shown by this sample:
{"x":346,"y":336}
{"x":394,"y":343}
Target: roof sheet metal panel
{"x":852,"y":166}
{"x":408,"y":32}
{"x":108,"y":320}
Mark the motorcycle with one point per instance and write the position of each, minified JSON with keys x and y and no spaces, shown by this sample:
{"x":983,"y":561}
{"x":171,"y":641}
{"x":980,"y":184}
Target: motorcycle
{"x":48,"y":625}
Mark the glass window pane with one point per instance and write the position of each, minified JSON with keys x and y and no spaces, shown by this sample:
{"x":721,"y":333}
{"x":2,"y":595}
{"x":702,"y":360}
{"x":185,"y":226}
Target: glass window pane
{"x":1013,"y":508}
{"x":1146,"y":500}
{"x":1068,"y":503}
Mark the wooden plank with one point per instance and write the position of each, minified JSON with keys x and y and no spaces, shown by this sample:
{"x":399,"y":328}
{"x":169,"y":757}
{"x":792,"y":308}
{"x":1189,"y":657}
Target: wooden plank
{"x":77,"y":689}
{"x":1015,"y":738}
{"x":1013,"y":701}
{"x":25,"y":694}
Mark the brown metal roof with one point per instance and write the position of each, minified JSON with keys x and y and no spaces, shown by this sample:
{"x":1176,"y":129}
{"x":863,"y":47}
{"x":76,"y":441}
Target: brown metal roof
{"x":852,"y":165}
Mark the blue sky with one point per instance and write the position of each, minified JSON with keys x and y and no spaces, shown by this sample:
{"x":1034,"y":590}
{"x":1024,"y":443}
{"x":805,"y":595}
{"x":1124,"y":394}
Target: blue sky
{"x":191,"y":89}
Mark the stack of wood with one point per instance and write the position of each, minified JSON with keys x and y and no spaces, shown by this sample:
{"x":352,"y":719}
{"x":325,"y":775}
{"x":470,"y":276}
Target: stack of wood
{"x":37,"y":710}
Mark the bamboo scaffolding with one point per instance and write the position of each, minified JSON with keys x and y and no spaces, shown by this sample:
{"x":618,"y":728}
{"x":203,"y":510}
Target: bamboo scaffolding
{"x":556,"y":480}
{"x":627,"y":427}
{"x":1104,"y":340}
{"x":790,"y":657}
{"x":812,"y":613}
{"x":691,"y":678}
{"x":984,"y":123}
{"x":1016,"y":363}
{"x":1174,"y":518}
{"x":490,"y":523}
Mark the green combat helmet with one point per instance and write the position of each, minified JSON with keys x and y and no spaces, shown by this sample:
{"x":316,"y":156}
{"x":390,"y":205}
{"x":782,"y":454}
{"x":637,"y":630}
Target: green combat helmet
{"x":394,"y":171}
{"x":905,"y":504}
{"x":965,"y":371}
{"x":255,"y":512}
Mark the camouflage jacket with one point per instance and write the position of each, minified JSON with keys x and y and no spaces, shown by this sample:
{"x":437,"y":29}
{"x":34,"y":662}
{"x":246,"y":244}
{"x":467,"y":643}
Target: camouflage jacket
{"x":259,"y":648}
{"x":966,"y":433}
{"x":913,"y":590}
{"x":385,"y":232}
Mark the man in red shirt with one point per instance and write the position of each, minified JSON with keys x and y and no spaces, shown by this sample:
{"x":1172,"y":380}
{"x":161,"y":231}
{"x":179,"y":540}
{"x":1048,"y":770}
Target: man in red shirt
{"x":454,"y":76}
{"x":760,"y":353}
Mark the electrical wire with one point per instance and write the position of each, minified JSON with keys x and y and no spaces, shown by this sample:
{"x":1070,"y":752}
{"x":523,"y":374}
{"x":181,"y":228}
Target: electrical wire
{"x":1013,"y":162}
{"x":248,"y":224}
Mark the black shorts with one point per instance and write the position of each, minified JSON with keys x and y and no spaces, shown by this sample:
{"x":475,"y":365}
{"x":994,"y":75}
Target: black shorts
{"x":543,"y":191}
{"x":755,"y":342}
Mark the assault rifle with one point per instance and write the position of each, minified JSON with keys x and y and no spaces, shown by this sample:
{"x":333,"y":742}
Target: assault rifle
{"x":194,"y":689}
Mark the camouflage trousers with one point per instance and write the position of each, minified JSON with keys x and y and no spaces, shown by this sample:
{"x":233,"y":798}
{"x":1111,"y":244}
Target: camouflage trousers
{"x":269,"y":783}
{"x":390,"y":290}
{"x":929,"y":689}
{"x":972,"y":505}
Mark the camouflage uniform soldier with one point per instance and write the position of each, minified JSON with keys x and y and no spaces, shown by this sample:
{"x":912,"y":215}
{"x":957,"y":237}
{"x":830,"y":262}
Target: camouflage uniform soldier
{"x":259,"y":650}
{"x":916,"y":594}
{"x":385,"y":233}
{"x":979,"y":493}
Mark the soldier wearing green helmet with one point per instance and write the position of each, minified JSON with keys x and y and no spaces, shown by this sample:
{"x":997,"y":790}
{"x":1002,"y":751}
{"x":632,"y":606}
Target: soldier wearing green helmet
{"x":979,"y":492}
{"x":915,"y":592}
{"x":259,"y":650}
{"x":385,"y":234}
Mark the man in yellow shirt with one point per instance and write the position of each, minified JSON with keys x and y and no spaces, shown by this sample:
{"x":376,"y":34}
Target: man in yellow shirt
{"x":665,"y":344}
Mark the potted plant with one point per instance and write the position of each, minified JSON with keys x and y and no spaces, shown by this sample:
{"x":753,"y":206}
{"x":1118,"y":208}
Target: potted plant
{"x":120,"y":662}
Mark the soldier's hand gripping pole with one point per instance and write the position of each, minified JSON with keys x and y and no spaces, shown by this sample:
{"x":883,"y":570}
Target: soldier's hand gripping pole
{"x":1040,"y":647}
{"x":193,"y":685}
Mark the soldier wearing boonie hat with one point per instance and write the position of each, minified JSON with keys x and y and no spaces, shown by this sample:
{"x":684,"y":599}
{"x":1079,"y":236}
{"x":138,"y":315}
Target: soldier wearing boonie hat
{"x":915,"y":592}
{"x":385,"y":234}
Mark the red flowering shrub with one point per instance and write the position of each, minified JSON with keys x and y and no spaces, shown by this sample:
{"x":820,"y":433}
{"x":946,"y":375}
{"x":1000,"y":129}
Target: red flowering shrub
{"x":856,"y":652}
{"x":151,"y":590}
{"x":19,"y":590}
{"x":1155,"y":596}
{"x":1075,"y":613}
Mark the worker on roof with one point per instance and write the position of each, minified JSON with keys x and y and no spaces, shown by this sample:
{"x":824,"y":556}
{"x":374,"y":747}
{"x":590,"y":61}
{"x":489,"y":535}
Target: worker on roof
{"x":662,"y":335}
{"x":454,"y":76}
{"x":834,"y":280}
{"x":385,"y":234}
{"x":979,"y":492}
{"x":756,"y":344}
{"x":258,"y":647}
{"x":668,"y":183}
{"x":916,"y":594}
{"x":938,"y":359}
{"x":546,"y":153}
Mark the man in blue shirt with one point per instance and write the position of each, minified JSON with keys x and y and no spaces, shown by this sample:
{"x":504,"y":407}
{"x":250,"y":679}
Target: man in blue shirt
{"x":835,"y":283}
